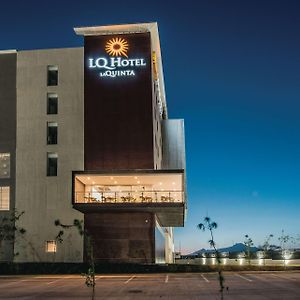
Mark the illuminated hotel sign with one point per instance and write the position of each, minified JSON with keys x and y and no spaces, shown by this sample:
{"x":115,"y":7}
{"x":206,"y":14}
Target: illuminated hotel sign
{"x":118,"y":101}
{"x":116,"y":65}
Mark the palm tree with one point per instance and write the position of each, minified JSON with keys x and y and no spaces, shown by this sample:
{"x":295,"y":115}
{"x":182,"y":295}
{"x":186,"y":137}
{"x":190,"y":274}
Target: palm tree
{"x":208,"y":224}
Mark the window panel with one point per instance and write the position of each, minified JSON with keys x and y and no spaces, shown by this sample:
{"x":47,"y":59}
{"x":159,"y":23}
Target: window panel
{"x":51,"y":164}
{"x":52,"y":104}
{"x":51,"y":133}
{"x":4,"y":197}
{"x":52,"y":75}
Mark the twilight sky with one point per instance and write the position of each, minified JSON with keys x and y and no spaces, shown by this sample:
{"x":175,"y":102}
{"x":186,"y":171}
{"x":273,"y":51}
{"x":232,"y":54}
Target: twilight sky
{"x":232,"y":71}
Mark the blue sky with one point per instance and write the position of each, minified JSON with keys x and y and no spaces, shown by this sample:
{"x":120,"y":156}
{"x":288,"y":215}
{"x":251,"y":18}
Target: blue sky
{"x":232,"y":71}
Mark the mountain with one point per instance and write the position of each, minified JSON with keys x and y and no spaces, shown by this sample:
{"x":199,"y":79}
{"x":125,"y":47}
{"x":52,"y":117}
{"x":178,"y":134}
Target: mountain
{"x":239,"y":247}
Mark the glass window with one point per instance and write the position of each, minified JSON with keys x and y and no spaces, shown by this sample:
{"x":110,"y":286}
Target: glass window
{"x":4,"y":165}
{"x":52,"y":75}
{"x":51,"y":133}
{"x":51,"y":246}
{"x":51,"y":164}
{"x":4,"y":197}
{"x":52,"y":104}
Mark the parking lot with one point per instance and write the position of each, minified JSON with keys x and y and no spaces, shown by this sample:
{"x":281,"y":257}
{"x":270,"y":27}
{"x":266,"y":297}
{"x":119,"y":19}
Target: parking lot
{"x":241,"y":285}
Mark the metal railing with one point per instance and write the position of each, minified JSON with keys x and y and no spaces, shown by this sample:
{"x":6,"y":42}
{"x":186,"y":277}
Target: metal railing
{"x":130,"y":197}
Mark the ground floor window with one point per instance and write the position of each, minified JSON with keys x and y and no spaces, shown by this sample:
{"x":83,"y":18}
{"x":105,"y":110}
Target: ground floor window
{"x":51,"y":246}
{"x":4,"y":197}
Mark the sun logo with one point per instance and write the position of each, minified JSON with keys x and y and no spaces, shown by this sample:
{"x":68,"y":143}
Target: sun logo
{"x":117,"y":47}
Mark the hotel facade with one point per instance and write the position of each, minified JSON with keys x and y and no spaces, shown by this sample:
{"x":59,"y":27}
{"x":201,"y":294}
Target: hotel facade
{"x":85,"y":134}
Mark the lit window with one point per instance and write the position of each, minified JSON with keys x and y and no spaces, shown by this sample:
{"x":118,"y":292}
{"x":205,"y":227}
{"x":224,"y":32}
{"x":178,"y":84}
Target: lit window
{"x":4,"y":197}
{"x":4,"y":165}
{"x":51,"y":133}
{"x":51,"y":164}
{"x":52,"y":75}
{"x":51,"y":246}
{"x":52,"y":104}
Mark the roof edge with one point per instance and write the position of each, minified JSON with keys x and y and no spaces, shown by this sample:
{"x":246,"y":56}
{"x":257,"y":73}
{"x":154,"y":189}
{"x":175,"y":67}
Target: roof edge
{"x":113,"y":29}
{"x":9,"y":51}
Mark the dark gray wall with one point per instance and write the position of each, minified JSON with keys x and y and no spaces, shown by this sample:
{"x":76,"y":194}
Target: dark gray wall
{"x":174,"y":147}
{"x":8,"y":133}
{"x":122,"y":236}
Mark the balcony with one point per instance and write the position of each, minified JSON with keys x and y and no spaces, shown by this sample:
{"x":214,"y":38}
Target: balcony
{"x":129,"y":197}
{"x":159,"y":191}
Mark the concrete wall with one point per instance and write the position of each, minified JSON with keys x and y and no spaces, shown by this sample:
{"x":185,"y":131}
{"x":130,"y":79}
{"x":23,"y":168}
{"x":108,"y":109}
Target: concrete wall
{"x":45,"y":199}
{"x":169,"y":245}
{"x":160,"y":247}
{"x":8,"y":135}
{"x":157,"y":135}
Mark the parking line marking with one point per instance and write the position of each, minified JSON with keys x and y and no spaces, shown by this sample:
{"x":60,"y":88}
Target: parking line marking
{"x":245,"y":278}
{"x":112,"y":276}
{"x":275,"y":275}
{"x":9,"y":284}
{"x":98,"y":277}
{"x":129,"y":279}
{"x":167,"y":279}
{"x":53,"y":281}
{"x":204,"y":278}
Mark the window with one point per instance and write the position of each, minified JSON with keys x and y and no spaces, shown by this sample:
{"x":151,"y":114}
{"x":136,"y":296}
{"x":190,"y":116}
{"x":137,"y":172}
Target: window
{"x":4,"y":197}
{"x":4,"y":165}
{"x":51,"y":164}
{"x":51,"y":133}
{"x":51,"y":246}
{"x":52,"y":75}
{"x":52,"y":103}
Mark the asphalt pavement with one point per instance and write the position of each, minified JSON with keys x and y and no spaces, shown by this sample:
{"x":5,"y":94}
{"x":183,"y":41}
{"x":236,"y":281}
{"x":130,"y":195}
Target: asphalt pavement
{"x":175,"y":286}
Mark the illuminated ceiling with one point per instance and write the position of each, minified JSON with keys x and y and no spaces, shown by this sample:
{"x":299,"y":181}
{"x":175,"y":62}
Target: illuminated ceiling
{"x":155,"y":181}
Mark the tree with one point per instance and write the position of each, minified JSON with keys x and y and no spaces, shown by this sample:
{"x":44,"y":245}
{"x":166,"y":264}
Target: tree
{"x":248,"y":243}
{"x":266,"y":246}
{"x":209,"y":225}
{"x":90,"y":278}
{"x":9,"y":229}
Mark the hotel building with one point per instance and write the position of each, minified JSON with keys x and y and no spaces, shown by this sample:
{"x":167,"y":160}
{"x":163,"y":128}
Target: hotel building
{"x":85,"y":134}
